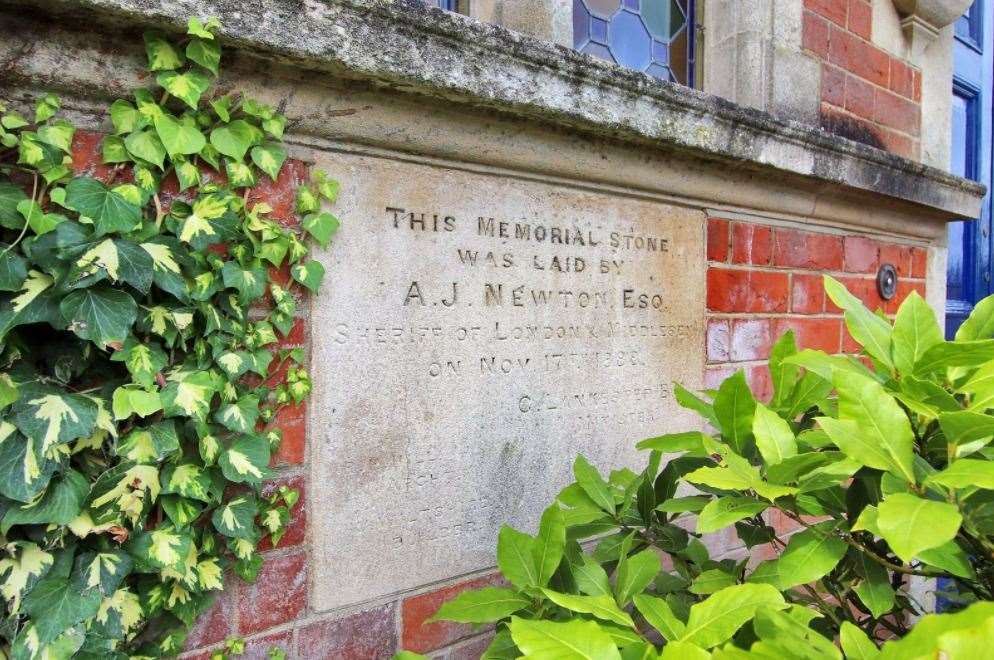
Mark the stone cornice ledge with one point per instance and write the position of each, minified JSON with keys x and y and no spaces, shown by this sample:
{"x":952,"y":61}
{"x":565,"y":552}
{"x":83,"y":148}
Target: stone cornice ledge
{"x":406,"y":46}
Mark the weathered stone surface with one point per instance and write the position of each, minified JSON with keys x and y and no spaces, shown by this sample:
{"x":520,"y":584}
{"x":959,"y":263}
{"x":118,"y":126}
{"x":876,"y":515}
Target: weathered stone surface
{"x":404,"y":46}
{"x":461,"y":363}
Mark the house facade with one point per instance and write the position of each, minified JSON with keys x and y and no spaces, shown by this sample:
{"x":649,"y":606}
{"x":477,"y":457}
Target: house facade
{"x":551,"y":211}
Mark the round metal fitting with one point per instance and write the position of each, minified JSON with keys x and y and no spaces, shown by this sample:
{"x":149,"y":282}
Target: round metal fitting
{"x":887,"y":281}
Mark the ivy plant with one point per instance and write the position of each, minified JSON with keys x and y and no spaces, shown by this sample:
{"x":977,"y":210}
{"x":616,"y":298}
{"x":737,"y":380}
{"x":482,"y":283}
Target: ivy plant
{"x":876,"y":469}
{"x":140,"y":369}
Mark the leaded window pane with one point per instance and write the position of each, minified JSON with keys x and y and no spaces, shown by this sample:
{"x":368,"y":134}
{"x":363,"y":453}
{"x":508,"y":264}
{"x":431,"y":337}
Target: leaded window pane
{"x":654,"y":36}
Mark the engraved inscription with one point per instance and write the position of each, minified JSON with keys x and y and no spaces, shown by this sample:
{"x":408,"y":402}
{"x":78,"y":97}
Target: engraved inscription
{"x":474,"y":334}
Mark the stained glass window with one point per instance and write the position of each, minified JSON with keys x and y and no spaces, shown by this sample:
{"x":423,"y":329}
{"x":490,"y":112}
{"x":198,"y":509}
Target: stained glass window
{"x":654,"y":36}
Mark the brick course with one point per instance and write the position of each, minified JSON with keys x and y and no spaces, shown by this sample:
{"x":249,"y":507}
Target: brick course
{"x":751,"y":306}
{"x":867,"y":94}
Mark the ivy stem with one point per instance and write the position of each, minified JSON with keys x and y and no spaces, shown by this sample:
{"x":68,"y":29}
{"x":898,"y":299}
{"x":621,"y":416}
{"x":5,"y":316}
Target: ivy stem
{"x":27,"y":221}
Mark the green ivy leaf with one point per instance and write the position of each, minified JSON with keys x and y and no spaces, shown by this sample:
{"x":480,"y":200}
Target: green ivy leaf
{"x":146,"y":145}
{"x":161,"y":54}
{"x":109,"y":211}
{"x":269,"y":158}
{"x":188,"y":86}
{"x":100,"y":314}
{"x":151,"y":444}
{"x":13,"y":271}
{"x":246,"y":461}
{"x":61,"y":503}
{"x":205,"y":52}
{"x":55,"y":606}
{"x":322,"y":226}
{"x":40,"y":222}
{"x":309,"y":274}
{"x":236,"y":517}
{"x":132,"y":400}
{"x":114,"y":150}
{"x":179,"y":137}
{"x":10,"y":196}
{"x":124,"y":116}
{"x":234,"y":139}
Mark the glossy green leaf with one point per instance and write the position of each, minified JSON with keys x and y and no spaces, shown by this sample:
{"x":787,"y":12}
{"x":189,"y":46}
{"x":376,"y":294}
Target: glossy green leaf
{"x":660,"y":616}
{"x":911,"y":524}
{"x":774,"y":438}
{"x":516,"y":558}
{"x":485,"y":605}
{"x":915,"y":331}
{"x":809,"y":556}
{"x":734,"y":407}
{"x":725,"y":511}
{"x":570,"y":640}
{"x":869,"y":330}
{"x":602,"y":607}
{"x":716,"y":619}
{"x":855,"y":644}
{"x":100,"y":314}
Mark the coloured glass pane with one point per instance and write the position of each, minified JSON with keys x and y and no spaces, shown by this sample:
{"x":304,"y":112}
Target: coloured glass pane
{"x":603,"y":8}
{"x":653,"y":36}
{"x":629,"y":41}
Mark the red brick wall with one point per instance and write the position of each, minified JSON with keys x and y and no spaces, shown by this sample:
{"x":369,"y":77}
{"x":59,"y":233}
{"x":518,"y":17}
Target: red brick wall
{"x":866,"y":94}
{"x":764,"y":280}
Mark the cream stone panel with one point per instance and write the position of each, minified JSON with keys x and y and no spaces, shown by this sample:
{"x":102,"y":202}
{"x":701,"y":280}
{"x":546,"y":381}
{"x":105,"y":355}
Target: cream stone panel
{"x":474,"y":333}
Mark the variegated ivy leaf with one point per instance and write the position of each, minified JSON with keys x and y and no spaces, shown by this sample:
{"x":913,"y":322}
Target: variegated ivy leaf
{"x":206,"y":30}
{"x":322,"y":226}
{"x":188,"y":394}
{"x":209,"y":575}
{"x":275,"y":126}
{"x":24,"y":563}
{"x":151,"y":444}
{"x":100,"y":314}
{"x":235,"y":138}
{"x":104,"y":571}
{"x":133,"y":400}
{"x":167,"y":271}
{"x":165,"y":547}
{"x":237,"y":517}
{"x":143,"y":360}
{"x":61,"y":502}
{"x":28,"y":645}
{"x":123,"y":492}
{"x":109,"y":211}
{"x":239,"y":175}
{"x":307,"y":200}
{"x":274,"y":251}
{"x":210,"y":448}
{"x":250,"y":282}
{"x":117,"y":259}
{"x":309,"y":274}
{"x":187,"y":174}
{"x":235,"y":363}
{"x":198,"y":224}
{"x":24,"y":471}
{"x":275,"y":521}
{"x":51,"y":416}
{"x":58,"y":134}
{"x":239,"y":416}
{"x":188,"y":86}
{"x":161,"y":54}
{"x":181,"y":510}
{"x":119,"y":613}
{"x":188,"y":480}
{"x":269,"y":158}
{"x":246,"y":461}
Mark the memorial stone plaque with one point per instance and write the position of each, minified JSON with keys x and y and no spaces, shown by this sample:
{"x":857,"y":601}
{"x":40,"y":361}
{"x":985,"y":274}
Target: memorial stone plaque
{"x":473,"y":334}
